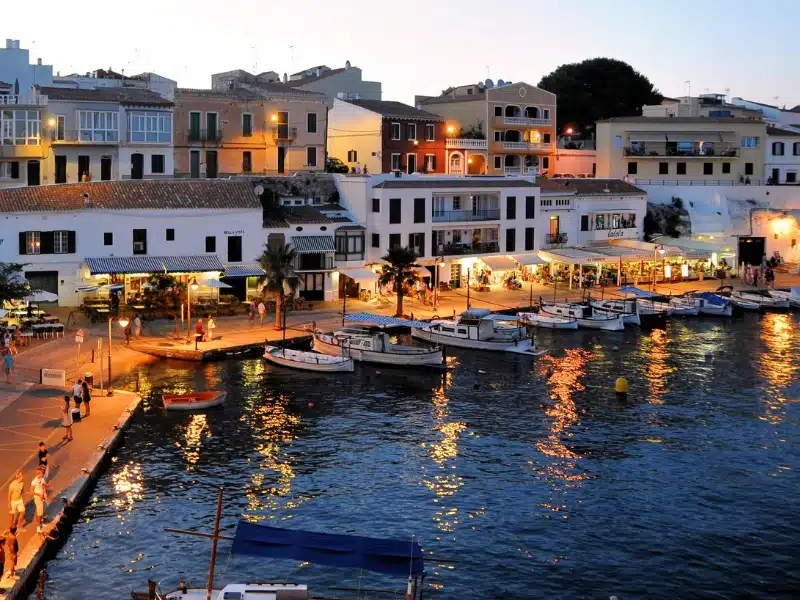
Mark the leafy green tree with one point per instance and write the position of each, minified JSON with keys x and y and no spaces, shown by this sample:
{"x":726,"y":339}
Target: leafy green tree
{"x":399,"y":271}
{"x":598,"y":88}
{"x":278,"y":263}
{"x":13,"y":285}
{"x":166,"y":293}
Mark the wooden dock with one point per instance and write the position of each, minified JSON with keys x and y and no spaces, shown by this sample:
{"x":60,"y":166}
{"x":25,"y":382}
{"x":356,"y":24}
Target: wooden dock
{"x":232,"y":346}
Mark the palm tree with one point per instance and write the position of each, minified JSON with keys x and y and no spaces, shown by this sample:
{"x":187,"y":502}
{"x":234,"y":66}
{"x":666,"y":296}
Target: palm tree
{"x":400,"y":271}
{"x":277,"y":262}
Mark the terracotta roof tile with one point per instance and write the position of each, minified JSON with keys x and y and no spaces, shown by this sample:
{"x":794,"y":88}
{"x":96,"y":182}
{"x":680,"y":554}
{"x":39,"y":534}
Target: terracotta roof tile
{"x":394,"y":110}
{"x":588,"y":187}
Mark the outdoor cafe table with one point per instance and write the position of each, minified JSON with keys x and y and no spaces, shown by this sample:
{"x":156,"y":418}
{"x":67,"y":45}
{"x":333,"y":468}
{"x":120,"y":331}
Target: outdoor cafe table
{"x":50,"y":319}
{"x":48,"y":327}
{"x":21,"y":312}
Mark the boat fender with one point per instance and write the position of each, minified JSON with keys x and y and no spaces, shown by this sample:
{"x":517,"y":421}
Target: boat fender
{"x":621,"y":388}
{"x":709,"y":356}
{"x":481,"y":371}
{"x":310,"y":405}
{"x":615,"y":348}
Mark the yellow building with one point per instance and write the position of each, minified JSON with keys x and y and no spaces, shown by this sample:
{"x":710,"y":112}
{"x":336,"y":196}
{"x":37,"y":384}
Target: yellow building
{"x":508,"y":128}
{"x":700,"y":149}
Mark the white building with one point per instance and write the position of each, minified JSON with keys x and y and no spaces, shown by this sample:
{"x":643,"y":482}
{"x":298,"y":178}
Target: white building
{"x":782,"y":156}
{"x":18,"y":74}
{"x":774,"y":115}
{"x":109,"y":79}
{"x":67,"y":236}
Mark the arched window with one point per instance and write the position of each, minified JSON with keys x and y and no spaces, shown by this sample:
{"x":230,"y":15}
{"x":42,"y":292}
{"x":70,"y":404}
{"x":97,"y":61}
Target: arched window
{"x":512,"y":111}
{"x":512,"y":135}
{"x":511,"y":160}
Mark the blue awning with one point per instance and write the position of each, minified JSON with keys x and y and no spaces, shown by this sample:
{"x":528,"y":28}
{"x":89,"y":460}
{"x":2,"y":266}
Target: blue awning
{"x":243,"y":270}
{"x":638,"y":292}
{"x":313,"y":244}
{"x":121,"y":265}
{"x":383,"y":321}
{"x":394,"y":557}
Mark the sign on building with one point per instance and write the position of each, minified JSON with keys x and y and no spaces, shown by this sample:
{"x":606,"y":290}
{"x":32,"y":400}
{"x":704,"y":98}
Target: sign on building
{"x":54,"y":377}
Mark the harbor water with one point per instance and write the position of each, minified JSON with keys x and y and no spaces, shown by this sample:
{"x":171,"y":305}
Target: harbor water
{"x":525,"y":477}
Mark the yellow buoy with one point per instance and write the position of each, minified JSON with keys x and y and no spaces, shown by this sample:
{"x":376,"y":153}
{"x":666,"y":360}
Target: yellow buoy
{"x":621,"y":386}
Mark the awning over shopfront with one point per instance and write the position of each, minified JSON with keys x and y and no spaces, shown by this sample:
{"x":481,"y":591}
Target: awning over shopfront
{"x":126,"y":265}
{"x":623,"y":253}
{"x":499,"y":263}
{"x":243,"y":270}
{"x":313,"y":244}
{"x":422,"y":271}
{"x":359,"y":274}
{"x":529,"y":259}
{"x":574,"y":256}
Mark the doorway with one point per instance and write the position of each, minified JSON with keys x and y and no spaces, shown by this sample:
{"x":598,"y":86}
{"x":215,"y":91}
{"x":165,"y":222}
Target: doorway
{"x":105,"y":168}
{"x":313,"y":286}
{"x":83,"y":168}
{"x":281,"y":160}
{"x":455,"y":275}
{"x":61,"y":169}
{"x":194,"y":167}
{"x":211,"y":164}
{"x":752,"y":250}
{"x":34,"y":175}
{"x":47,"y":281}
{"x":412,"y":163}
{"x":137,"y":166}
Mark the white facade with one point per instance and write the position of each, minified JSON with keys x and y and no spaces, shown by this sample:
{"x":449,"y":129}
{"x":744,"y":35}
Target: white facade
{"x":354,"y":136}
{"x":16,"y":70}
{"x":782,"y":156}
{"x":151,"y":81}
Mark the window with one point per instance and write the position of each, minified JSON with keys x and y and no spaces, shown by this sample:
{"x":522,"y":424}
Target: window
{"x":530,"y":207}
{"x":749,"y":142}
{"x":396,"y":162}
{"x":456,"y":202}
{"x":60,"y":242}
{"x":546,"y":113}
{"x":108,"y":239}
{"x":84,"y":168}
{"x":395,"y":131}
{"x":211,"y":164}
{"x":148,"y":126}
{"x":708,"y":168}
{"x":791,"y":176}
{"x":430,"y":132}
{"x":61,"y":128}
{"x":618,"y":141}
{"x":394,"y":240}
{"x":194,"y":125}
{"x":430,"y":163}
{"x":663,"y":168}
{"x":412,"y":131}
{"x":511,"y":239}
{"x":419,"y":210}
{"x":10,"y":170}
{"x":498,"y":162}
{"x":194,"y":166}
{"x":212,"y":126}
{"x":529,"y":238}
{"x":33,"y":243}
{"x":376,"y":205}
{"x":394,"y":211}
{"x":633,"y":168}
{"x":98,"y":126}
{"x":584,"y":222}
{"x":140,"y":241}
{"x":247,"y":161}
{"x":411,"y":163}
{"x":498,"y":111}
{"x":170,"y":235}
{"x":416,"y":241}
{"x":376,"y":240}
{"x":511,"y":207}
{"x":748,"y":168}
{"x":680,"y":168}
{"x":247,"y":125}
{"x":311,"y":122}
{"x":234,"y":248}
{"x":499,"y":136}
{"x":352,"y":156}
{"x":311,"y":156}
{"x":545,"y":138}
{"x":211,"y":243}
{"x":726,"y":168}
{"x":157,"y":163}
{"x":796,"y":149}
{"x":545,"y":162}
{"x":777,"y":148}
{"x":19,"y":127}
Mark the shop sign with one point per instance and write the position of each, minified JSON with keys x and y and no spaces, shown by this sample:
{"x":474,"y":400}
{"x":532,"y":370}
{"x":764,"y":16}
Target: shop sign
{"x":54,"y":377}
{"x":614,"y":234}
{"x":237,"y":232}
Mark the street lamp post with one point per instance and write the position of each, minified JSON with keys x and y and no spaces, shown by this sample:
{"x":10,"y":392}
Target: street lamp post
{"x":191,"y":285}
{"x":656,"y":250}
{"x":123,"y":322}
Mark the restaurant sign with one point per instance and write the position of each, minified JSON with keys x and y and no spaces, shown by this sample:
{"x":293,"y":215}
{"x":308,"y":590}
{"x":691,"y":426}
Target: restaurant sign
{"x":54,"y":377}
{"x":614,"y":234}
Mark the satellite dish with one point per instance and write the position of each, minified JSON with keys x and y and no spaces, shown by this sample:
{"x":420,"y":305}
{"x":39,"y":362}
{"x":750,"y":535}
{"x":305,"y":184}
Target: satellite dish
{"x":489,"y":83}
{"x":258,"y":190}
{"x":500,"y":82}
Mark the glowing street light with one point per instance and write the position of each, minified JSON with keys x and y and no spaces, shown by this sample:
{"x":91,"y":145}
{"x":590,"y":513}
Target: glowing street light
{"x":569,"y":130}
{"x":451,"y":129}
{"x":51,"y":122}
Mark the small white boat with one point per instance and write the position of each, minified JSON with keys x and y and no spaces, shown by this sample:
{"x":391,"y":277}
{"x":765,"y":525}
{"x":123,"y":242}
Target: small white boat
{"x":234,"y":591}
{"x":194,"y":401}
{"x":586,"y":316}
{"x":308,"y":361}
{"x":684,"y":306}
{"x":628,"y":309}
{"x":792,"y":296}
{"x":763,"y":299}
{"x":547,"y":321}
{"x":713,"y":304}
{"x":479,"y":329}
{"x":371,"y":345}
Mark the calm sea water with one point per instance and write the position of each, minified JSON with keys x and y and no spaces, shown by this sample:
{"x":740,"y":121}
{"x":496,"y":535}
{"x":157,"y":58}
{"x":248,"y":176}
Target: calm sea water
{"x":534,"y":486}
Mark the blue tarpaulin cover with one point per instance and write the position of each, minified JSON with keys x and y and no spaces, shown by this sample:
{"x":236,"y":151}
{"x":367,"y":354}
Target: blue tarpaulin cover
{"x":712,"y":298}
{"x":383,"y":320}
{"x":395,"y":557}
{"x":638,"y":292}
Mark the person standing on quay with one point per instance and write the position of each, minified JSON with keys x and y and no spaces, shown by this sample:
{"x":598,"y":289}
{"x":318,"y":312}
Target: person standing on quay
{"x":86,"y":394}
{"x":212,"y":325}
{"x":253,"y":309}
{"x":16,"y":503}
{"x":77,"y":394}
{"x":137,"y":326}
{"x":261,"y":312}
{"x":66,"y":421}
{"x":12,"y":549}
{"x":8,"y":362}
{"x":43,"y":458}
{"x":39,"y":490}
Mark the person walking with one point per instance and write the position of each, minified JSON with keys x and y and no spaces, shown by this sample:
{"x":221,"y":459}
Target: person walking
{"x":769,"y":277}
{"x":77,"y":394}
{"x":12,"y":550}
{"x":16,"y":504}
{"x":212,"y":325}
{"x":43,"y":458}
{"x":8,"y":362}
{"x":199,"y":333}
{"x":253,"y":310}
{"x":39,"y":491}
{"x":261,"y":312}
{"x":66,"y":421}
{"x":137,"y":326}
{"x":86,"y":395}
{"x":128,"y":332}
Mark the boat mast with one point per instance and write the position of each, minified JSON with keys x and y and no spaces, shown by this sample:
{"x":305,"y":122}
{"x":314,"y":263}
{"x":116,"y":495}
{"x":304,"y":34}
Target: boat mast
{"x":214,"y":544}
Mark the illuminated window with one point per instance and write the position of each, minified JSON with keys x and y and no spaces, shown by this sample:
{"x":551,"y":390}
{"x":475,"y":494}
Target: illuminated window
{"x":33,"y":242}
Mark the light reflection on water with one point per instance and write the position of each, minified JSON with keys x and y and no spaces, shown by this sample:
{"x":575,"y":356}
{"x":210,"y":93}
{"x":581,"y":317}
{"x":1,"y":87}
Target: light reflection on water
{"x":520,"y":476}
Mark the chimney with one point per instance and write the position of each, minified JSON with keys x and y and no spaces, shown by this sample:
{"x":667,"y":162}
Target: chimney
{"x":285,"y":78}
{"x":9,"y":43}
{"x":39,"y":61}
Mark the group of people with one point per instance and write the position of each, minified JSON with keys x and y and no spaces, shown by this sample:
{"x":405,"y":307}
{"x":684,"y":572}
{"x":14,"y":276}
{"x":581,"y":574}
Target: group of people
{"x":133,"y":328}
{"x":257,"y":308}
{"x":205,"y":335}
{"x":760,"y":276}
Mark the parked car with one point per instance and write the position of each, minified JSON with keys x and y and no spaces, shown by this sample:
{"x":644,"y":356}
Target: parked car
{"x":585,"y":176}
{"x":334,"y":165}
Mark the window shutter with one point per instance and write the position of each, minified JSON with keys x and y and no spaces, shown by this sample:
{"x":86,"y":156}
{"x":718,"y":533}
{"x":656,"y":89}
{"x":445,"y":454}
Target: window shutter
{"x":433,"y":162}
{"x":14,"y":170}
{"x":70,"y":242}
{"x":23,"y":242}
{"x":47,"y":244}
{"x":410,"y":240}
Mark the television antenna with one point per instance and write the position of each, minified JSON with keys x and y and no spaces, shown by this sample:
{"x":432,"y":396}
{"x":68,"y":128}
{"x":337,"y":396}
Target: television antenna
{"x":688,"y":85}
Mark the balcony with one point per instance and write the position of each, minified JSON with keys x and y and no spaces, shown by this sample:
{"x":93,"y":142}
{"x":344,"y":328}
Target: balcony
{"x":708,"y":151}
{"x":527,"y":121}
{"x":466,"y":144}
{"x":512,"y":171}
{"x":204,"y":135}
{"x":555,"y":239}
{"x":284,"y":133}
{"x":85,"y":136}
{"x":450,"y":216}
{"x":23,"y":99}
{"x":525,"y":146}
{"x":313,"y":262}
{"x":458,"y":249}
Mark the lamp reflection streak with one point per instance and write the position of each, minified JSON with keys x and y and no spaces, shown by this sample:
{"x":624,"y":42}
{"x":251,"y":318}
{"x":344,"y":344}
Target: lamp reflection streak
{"x":780,"y":334}
{"x":655,"y":347}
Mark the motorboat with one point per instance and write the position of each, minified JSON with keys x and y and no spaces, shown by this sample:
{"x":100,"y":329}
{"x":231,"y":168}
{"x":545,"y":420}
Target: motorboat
{"x":195,"y":400}
{"x":710,"y":303}
{"x":547,"y":321}
{"x":585,"y":315}
{"x":373,"y":345}
{"x":684,"y":306}
{"x":762,"y":298}
{"x":792,"y":295}
{"x":276,"y":591}
{"x":628,"y":309}
{"x":479,"y":329}
{"x":308,"y":361}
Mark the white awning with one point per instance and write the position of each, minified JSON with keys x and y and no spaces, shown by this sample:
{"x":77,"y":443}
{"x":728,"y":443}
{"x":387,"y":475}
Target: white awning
{"x":499,"y":263}
{"x":529,"y":259}
{"x":648,"y":136}
{"x":359,"y":274}
{"x":423,"y":271}
{"x":574,"y":256}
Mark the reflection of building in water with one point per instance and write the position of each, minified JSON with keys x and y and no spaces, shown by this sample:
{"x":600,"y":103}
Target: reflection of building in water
{"x":777,"y":364}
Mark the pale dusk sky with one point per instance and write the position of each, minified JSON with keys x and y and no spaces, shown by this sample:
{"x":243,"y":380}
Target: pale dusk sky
{"x":422,"y":47}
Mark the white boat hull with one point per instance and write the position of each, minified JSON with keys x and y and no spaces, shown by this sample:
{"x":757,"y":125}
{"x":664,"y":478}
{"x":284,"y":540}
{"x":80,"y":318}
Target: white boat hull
{"x":548,"y":321}
{"x":523,"y":346}
{"x":422,"y":358}
{"x":766,"y":302}
{"x":794,"y":300}
{"x":605,"y":323}
{"x":308,"y":361}
{"x":719,"y":310}
{"x":189,"y":402}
